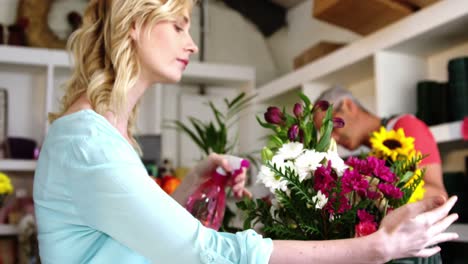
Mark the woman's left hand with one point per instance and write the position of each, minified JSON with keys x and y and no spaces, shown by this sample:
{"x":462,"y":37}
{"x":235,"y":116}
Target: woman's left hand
{"x":203,"y":170}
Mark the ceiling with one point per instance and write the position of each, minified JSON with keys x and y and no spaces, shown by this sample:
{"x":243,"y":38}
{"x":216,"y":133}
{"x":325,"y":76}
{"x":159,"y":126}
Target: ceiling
{"x":267,"y":15}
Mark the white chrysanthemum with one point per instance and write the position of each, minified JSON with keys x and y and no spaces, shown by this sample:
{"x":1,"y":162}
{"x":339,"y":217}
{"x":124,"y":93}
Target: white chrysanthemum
{"x":291,"y":150}
{"x":337,"y":162}
{"x":307,"y":163}
{"x":320,"y":200}
{"x":270,"y":180}
{"x":280,"y":162}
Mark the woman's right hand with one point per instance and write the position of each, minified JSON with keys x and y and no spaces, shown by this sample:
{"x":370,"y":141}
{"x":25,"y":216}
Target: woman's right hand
{"x":414,"y":230}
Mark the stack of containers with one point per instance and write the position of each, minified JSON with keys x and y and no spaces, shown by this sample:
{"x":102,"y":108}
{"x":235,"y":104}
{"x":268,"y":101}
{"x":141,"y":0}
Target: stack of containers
{"x":458,"y":88}
{"x":432,"y":102}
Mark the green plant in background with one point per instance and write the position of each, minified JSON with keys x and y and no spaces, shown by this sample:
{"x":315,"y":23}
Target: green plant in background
{"x":212,"y":136}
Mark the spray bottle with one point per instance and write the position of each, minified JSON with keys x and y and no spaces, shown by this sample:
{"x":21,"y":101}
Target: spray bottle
{"x":208,"y":202}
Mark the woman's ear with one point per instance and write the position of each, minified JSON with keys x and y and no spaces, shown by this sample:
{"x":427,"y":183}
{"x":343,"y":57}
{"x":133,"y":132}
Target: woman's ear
{"x":134,"y":32}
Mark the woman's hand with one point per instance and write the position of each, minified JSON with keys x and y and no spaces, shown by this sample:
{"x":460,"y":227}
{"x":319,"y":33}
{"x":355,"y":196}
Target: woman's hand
{"x":203,"y":170}
{"x":415,"y":229}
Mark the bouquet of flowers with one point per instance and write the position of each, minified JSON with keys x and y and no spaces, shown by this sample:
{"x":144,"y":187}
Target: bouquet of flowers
{"x":316,"y":195}
{"x":6,"y":187}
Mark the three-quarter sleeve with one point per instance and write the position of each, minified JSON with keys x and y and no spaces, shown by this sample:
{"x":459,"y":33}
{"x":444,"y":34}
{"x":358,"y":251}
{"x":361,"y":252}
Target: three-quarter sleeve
{"x":113,"y":194}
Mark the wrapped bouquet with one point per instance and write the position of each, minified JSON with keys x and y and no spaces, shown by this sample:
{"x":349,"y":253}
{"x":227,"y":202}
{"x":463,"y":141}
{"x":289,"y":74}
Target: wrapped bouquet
{"x":315,"y":194}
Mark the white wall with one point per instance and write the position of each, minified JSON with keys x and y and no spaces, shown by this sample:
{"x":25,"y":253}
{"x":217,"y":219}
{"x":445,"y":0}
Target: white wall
{"x":302,"y":32}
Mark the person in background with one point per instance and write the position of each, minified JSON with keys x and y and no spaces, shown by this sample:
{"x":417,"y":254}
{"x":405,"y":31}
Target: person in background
{"x":360,"y":123}
{"x":94,"y":200}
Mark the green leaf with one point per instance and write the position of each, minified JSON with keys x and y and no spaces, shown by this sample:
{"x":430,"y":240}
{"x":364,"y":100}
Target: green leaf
{"x":306,"y":101}
{"x":325,"y":132}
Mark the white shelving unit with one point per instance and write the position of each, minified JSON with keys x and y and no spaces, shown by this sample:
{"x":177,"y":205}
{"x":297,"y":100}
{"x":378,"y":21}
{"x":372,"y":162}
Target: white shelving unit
{"x":384,"y":67}
{"x":8,"y":230}
{"x":17,"y":165}
{"x":431,"y":30}
{"x":39,"y":73}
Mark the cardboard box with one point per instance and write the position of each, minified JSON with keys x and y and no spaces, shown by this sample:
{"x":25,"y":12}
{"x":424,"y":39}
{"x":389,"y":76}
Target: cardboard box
{"x":316,"y":51}
{"x":360,"y":16}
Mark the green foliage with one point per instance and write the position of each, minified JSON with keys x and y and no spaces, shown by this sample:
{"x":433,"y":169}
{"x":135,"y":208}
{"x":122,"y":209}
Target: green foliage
{"x":212,"y":136}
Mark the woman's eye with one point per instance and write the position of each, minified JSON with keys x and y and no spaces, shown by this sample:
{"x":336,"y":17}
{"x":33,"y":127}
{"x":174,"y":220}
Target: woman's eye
{"x":178,"y":29}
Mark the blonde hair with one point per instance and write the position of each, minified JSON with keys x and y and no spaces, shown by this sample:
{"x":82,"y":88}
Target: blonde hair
{"x":105,"y":62}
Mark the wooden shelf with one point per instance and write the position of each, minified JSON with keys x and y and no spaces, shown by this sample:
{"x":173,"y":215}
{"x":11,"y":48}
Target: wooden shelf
{"x":17,"y":165}
{"x":8,"y":230}
{"x":427,"y":31}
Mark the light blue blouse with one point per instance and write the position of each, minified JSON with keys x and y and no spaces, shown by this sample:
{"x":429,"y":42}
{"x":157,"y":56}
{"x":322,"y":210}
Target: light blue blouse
{"x":95,"y":203}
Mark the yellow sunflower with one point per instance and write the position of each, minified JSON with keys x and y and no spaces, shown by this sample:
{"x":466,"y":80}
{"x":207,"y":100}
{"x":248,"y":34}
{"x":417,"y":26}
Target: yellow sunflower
{"x":419,"y":192}
{"x":391,"y":144}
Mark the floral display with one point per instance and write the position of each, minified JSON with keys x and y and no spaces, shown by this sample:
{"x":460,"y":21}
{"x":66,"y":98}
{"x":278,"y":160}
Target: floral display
{"x":6,"y":187}
{"x":315,"y":194}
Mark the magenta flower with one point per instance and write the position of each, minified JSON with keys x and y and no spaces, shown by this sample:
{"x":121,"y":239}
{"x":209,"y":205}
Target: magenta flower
{"x":293,"y":132}
{"x":273,"y":115}
{"x":337,"y":204}
{"x":322,"y":105}
{"x":390,"y":191}
{"x":338,"y":122}
{"x":364,"y":216}
{"x":373,"y":195}
{"x":324,"y":179}
{"x":298,"y":111}
{"x":361,"y":166}
{"x":353,"y":181}
{"x":380,"y":170}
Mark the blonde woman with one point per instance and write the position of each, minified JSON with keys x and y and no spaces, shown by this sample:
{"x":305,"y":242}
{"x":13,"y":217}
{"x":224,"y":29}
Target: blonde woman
{"x":93,"y":198}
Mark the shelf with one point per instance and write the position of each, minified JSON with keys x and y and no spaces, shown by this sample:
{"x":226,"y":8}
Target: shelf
{"x":462,"y":230}
{"x":17,"y":165}
{"x":447,"y":132}
{"x":218,"y":74}
{"x":427,"y":31}
{"x":196,"y":72}
{"x":8,"y":230}
{"x":16,"y":55}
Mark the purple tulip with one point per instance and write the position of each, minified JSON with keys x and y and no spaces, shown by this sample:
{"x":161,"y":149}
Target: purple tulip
{"x":293,"y":132}
{"x":338,"y":122}
{"x":323,"y":105}
{"x":298,"y":110}
{"x":273,"y":115}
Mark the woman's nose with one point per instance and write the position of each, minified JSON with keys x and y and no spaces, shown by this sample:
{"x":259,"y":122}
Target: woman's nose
{"x":191,"y":46}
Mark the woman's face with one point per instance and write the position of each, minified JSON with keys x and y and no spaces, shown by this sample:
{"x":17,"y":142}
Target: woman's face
{"x":164,"y":53}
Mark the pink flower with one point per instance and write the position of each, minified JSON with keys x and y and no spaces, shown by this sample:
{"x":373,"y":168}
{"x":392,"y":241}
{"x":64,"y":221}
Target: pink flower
{"x":324,"y":178}
{"x":298,"y":110}
{"x":364,"y":216}
{"x":380,"y":170}
{"x":390,"y":191}
{"x":273,"y":115}
{"x":353,"y":181}
{"x":293,"y":132}
{"x":365,"y":228}
{"x":337,"y":204}
{"x":322,"y":105}
{"x":338,"y":122}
